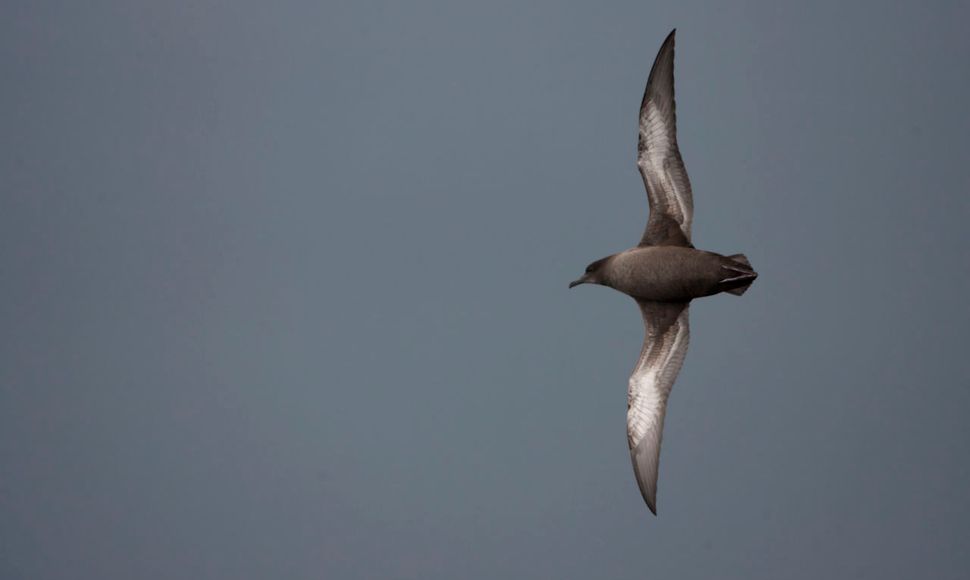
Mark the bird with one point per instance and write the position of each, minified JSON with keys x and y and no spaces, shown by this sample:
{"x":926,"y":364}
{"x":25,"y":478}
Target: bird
{"x":663,"y":273}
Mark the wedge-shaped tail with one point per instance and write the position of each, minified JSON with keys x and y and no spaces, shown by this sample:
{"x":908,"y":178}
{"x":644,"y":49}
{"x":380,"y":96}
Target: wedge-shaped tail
{"x":740,"y":275}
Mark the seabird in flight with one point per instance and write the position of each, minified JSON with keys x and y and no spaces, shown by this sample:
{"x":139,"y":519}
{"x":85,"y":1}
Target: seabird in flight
{"x":663,"y":273}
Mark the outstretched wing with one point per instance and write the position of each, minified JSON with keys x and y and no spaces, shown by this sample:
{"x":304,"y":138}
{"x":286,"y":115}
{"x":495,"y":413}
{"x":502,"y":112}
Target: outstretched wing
{"x":664,"y":348}
{"x":664,"y":175}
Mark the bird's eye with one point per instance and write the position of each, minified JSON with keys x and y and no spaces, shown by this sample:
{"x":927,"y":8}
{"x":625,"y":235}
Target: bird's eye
{"x":589,"y":268}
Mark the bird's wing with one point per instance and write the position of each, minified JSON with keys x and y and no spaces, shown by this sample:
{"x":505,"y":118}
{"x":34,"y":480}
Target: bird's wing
{"x":664,"y":175}
{"x":664,"y":348}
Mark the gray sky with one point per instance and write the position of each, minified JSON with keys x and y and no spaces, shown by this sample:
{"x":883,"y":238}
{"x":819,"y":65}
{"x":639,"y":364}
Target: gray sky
{"x":283,"y":291}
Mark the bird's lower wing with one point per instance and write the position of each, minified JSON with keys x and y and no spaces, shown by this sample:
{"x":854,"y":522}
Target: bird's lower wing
{"x":664,"y":349}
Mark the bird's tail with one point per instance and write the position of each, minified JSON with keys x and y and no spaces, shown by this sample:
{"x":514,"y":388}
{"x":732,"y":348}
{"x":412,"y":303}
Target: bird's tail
{"x":741,"y":275}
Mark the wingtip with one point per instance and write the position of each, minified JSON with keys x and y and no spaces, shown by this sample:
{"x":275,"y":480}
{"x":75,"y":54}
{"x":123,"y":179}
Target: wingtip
{"x":660,"y":81}
{"x":671,"y":37}
{"x":647,"y":492}
{"x":650,"y":497}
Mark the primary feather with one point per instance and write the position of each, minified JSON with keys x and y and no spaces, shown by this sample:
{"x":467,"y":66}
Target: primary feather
{"x":664,"y":348}
{"x":658,"y":157}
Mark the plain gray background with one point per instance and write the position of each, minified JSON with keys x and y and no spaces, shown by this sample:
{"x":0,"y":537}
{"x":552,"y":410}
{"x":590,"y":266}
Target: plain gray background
{"x":283,"y":291}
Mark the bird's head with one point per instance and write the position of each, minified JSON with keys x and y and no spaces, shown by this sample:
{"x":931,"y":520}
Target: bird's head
{"x":595,"y":273}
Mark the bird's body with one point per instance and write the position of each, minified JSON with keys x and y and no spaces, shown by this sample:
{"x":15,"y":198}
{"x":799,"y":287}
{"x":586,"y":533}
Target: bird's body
{"x":663,"y":273}
{"x":673,"y":273}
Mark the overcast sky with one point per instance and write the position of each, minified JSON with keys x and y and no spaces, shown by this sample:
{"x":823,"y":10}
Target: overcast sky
{"x":283,"y":291}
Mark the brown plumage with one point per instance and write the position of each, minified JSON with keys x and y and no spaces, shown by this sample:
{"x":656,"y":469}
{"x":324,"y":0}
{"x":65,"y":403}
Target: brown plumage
{"x":663,"y":273}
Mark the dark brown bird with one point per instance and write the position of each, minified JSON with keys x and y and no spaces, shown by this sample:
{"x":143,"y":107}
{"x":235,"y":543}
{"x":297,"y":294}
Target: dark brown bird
{"x":663,"y":273}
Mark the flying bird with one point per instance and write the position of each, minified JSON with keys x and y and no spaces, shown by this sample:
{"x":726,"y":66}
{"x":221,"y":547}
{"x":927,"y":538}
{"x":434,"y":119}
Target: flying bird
{"x":663,"y":273}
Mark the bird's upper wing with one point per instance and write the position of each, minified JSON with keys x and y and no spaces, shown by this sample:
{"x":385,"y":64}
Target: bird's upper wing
{"x":664,"y":348}
{"x":664,"y":175}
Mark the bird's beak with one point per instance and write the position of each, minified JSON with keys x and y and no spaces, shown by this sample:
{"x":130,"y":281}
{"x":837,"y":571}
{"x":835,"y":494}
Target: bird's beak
{"x":582,"y":280}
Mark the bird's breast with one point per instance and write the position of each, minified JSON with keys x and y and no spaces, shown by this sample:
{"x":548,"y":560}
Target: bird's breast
{"x":665,"y":273}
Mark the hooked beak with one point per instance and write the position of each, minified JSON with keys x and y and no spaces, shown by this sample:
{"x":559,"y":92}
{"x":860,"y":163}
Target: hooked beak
{"x":582,"y":280}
